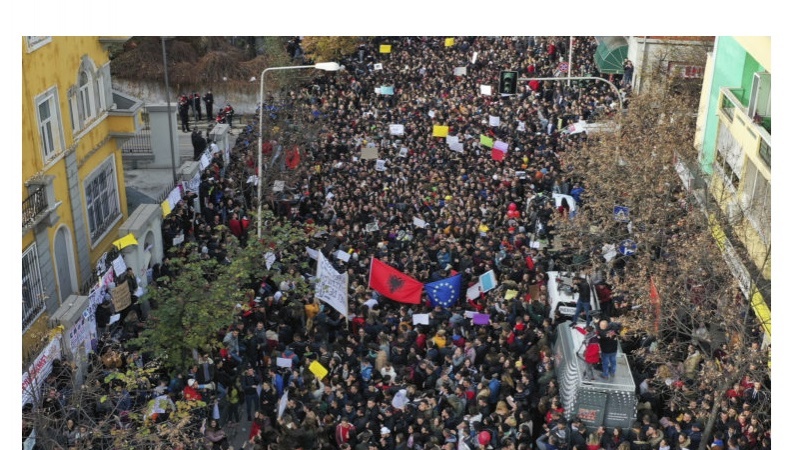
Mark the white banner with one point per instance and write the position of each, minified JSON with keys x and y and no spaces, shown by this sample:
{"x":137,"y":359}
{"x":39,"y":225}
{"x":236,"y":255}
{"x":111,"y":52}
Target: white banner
{"x":331,"y":286}
{"x":38,"y":371}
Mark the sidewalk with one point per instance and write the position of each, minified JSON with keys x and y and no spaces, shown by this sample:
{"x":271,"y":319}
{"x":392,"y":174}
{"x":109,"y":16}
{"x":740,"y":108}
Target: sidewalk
{"x":147,"y":185}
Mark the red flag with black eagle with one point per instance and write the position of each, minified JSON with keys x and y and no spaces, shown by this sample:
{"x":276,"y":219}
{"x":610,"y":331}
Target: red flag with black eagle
{"x":394,"y":284}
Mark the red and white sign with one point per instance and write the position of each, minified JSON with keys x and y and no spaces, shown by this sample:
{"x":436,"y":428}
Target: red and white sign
{"x":32,"y":379}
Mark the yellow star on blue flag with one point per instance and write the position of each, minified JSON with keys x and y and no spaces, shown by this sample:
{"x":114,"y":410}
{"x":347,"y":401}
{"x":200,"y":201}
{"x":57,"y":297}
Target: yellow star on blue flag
{"x":444,"y":292}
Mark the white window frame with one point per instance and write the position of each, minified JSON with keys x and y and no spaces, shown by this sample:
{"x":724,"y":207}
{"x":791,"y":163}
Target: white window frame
{"x":35,"y":42}
{"x":756,"y":199}
{"x":101,"y":197}
{"x":51,"y":132}
{"x":86,"y":96}
{"x":32,"y":279}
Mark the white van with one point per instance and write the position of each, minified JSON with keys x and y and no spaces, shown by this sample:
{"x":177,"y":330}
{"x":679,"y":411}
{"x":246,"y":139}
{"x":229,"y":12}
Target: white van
{"x":561,"y":297}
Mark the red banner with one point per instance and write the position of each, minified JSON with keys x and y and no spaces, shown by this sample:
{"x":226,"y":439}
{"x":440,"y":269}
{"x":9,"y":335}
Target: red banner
{"x":655,"y":301}
{"x":394,"y":284}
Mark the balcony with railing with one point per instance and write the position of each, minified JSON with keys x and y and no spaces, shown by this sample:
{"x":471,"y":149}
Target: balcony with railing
{"x":733,"y":107}
{"x":34,"y":207}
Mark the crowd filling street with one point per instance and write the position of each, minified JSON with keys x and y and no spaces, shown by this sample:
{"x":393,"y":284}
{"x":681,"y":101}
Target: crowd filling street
{"x":429,"y":207}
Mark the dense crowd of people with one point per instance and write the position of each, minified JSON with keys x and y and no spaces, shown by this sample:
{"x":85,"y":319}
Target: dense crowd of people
{"x":391,"y":383}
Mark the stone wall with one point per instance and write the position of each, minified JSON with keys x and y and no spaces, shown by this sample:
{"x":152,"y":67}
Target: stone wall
{"x":244,"y":100}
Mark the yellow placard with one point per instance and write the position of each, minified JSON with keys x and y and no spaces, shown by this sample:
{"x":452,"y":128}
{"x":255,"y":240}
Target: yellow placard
{"x":165,"y":209}
{"x":511,"y":294}
{"x":449,"y":42}
{"x":386,"y":48}
{"x":440,"y":130}
{"x":318,"y":369}
{"x":125,"y":241}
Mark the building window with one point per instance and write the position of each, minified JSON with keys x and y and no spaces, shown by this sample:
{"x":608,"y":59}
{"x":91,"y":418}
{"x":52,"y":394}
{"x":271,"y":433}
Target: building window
{"x":102,"y":199}
{"x":50,"y":131}
{"x":86,"y":98}
{"x":756,"y":200}
{"x":32,"y":289}
{"x":35,"y":42}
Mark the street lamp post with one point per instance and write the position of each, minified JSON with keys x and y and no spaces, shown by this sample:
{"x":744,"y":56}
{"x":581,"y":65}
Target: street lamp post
{"x":169,"y":111}
{"x":329,"y":66}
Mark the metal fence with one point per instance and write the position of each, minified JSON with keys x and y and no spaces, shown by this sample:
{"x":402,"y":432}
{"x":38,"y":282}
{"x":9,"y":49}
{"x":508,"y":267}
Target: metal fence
{"x":140,"y":143}
{"x":35,"y":204}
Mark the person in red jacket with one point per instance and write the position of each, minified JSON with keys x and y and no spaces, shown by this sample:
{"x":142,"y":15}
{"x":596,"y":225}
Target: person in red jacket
{"x":190,"y":391}
{"x":238,"y":225}
{"x":343,"y":432}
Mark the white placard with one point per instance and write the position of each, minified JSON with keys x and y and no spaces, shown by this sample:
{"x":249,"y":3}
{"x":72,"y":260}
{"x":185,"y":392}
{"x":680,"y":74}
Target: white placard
{"x":204,"y":161}
{"x":397,"y":129}
{"x":177,"y":240}
{"x":269,"y":259}
{"x":278,"y":186}
{"x":486,"y":89}
{"x":403,"y":152}
{"x":474,"y":291}
{"x":419,"y":223}
{"x":422,"y":319}
{"x":114,"y":319}
{"x":521,"y":126}
{"x":343,"y":255}
{"x":474,"y":57}
{"x":457,"y":147}
{"x":312,"y":253}
{"x":451,"y":139}
{"x":329,"y":195}
{"x":282,"y":403}
{"x":380,"y":165}
{"x":285,"y":362}
{"x":431,"y":114}
{"x":372,"y":226}
{"x":494,"y":121}
{"x":378,"y":66}
{"x":469,"y":314}
{"x":119,"y":265}
{"x":253,"y":179}
{"x":460,"y":71}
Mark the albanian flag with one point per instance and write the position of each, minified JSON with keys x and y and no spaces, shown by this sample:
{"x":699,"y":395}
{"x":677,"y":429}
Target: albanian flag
{"x":394,"y":284}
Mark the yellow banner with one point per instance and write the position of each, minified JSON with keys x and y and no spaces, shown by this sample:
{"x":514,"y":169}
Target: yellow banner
{"x":756,"y":300}
{"x":318,"y":370}
{"x":386,"y":48}
{"x":449,"y":42}
{"x":165,"y":209}
{"x":440,"y":130}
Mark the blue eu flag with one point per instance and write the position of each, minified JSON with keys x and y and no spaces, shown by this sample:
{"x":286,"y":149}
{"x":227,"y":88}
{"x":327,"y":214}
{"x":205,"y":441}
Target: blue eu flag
{"x":444,"y":292}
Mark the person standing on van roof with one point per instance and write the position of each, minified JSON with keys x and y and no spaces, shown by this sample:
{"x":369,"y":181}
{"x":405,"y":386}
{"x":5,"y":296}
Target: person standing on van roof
{"x":583,"y":304}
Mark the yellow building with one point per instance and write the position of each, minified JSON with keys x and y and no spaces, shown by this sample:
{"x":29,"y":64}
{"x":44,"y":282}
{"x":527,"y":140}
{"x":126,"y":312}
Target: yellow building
{"x":734,"y":143}
{"x":73,"y":189}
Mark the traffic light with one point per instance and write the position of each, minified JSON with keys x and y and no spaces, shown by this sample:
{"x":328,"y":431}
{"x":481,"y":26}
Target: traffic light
{"x":508,"y":82}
